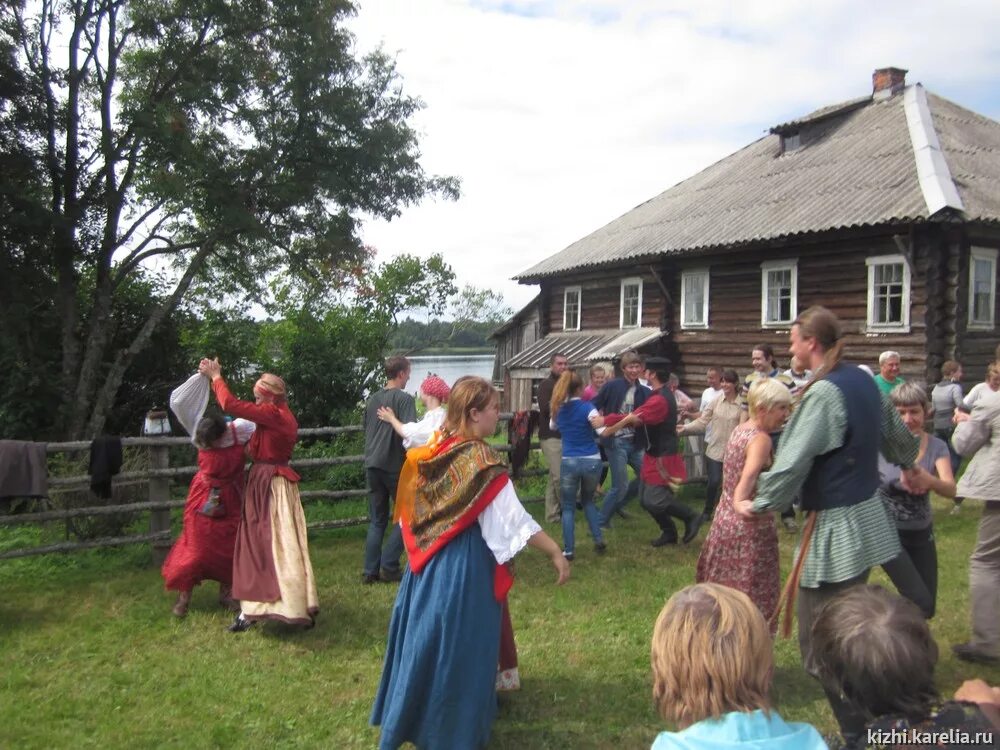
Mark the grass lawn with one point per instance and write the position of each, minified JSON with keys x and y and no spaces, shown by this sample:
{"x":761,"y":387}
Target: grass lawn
{"x":91,"y":657}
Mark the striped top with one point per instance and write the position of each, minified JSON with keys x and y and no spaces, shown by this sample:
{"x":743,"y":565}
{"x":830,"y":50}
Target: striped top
{"x":848,"y":540}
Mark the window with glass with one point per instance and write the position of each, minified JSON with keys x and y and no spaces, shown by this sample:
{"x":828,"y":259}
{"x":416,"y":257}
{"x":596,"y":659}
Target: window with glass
{"x":982,"y":287}
{"x":571,"y":309}
{"x":779,"y":292}
{"x":694,"y":298}
{"x":888,"y":293}
{"x":630,"y":314}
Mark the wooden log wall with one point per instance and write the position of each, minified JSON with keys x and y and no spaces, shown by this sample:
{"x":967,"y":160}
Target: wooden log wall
{"x":601,"y":298}
{"x":975,"y":349}
{"x":831,"y":273}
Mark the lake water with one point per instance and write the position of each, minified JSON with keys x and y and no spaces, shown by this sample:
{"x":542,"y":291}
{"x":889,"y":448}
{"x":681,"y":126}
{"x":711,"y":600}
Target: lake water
{"x":449,"y":368}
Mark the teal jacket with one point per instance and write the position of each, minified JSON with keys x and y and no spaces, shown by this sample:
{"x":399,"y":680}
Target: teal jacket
{"x":742,"y":730}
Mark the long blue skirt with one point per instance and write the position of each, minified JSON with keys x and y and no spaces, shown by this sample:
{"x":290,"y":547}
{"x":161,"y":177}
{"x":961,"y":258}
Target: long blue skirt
{"x":438,"y":680}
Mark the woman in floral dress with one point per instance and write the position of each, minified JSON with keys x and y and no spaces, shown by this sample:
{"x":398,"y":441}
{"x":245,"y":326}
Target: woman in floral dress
{"x":743,"y":553}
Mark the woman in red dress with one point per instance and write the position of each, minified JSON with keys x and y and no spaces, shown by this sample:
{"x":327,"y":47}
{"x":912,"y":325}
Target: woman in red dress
{"x":272,"y":572}
{"x":743,"y":553}
{"x":204,"y":550}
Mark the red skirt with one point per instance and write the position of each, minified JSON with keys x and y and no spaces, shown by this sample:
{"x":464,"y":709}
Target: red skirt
{"x":204,"y":550}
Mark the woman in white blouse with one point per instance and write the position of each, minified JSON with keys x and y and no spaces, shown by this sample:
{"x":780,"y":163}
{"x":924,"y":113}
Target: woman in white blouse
{"x":719,"y":419}
{"x":434,"y":393}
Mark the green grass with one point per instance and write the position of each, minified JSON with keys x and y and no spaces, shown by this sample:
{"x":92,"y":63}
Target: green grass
{"x":90,"y":656}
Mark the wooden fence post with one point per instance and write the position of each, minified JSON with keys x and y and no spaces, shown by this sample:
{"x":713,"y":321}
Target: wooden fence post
{"x":159,"y":492}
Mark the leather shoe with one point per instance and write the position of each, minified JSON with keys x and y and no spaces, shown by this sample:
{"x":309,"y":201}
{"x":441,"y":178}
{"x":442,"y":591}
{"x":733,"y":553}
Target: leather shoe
{"x":240,"y":625}
{"x":600,"y":548}
{"x":664,"y":539}
{"x":369,"y":578}
{"x":390,"y":576}
{"x":968,"y":652}
{"x":691,"y":528}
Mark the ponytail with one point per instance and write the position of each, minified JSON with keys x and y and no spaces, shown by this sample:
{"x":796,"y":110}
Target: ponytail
{"x":569,"y":384}
{"x":819,"y":323}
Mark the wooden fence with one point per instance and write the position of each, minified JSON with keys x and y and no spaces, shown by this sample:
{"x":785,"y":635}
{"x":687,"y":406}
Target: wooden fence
{"x":158,"y":479}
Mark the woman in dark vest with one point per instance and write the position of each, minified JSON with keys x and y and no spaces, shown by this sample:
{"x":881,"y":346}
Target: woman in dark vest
{"x":829,"y":456}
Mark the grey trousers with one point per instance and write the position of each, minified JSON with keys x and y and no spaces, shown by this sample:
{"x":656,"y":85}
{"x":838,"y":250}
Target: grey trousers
{"x":852,"y":722}
{"x":984,"y":582}
{"x":552,"y":450}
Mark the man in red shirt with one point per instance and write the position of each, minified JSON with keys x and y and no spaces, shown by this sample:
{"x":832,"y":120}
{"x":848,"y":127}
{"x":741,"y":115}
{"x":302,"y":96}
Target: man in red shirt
{"x":662,"y":465}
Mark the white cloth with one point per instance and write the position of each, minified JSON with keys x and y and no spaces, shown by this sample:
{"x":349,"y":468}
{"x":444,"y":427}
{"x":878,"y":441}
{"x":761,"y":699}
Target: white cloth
{"x":188,"y":402}
{"x":707,"y":397}
{"x":506,"y":525}
{"x":978,"y":391}
{"x":418,"y":433}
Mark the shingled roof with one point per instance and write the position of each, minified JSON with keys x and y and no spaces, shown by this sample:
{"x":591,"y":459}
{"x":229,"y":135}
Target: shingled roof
{"x":865,"y":162}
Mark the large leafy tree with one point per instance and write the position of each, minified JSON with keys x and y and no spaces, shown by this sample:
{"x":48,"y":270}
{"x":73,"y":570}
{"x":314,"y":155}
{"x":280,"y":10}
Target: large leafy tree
{"x":228,"y":142}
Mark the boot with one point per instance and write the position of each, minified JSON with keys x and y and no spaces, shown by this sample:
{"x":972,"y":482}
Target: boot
{"x":691,"y":526}
{"x":181,"y":606}
{"x":664,"y":539}
{"x":226,"y":600}
{"x":668,"y":531}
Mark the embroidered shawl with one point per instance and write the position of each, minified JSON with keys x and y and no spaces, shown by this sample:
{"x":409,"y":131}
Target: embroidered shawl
{"x":447,"y":486}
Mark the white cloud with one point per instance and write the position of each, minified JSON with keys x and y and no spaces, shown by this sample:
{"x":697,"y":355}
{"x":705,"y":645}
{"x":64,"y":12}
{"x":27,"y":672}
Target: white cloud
{"x":560,"y":115}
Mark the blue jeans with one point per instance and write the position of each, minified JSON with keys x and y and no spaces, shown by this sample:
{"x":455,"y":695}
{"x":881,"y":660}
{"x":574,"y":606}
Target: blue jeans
{"x":622,"y":453}
{"x":579,"y":474}
{"x":381,"y":486}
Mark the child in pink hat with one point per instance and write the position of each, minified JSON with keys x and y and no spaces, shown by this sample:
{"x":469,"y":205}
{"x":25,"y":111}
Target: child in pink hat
{"x":434,"y":393}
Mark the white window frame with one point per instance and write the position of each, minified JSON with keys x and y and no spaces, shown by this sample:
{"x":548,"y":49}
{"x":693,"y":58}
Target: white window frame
{"x":788,"y":264}
{"x":579,"y":307}
{"x":989,"y":255}
{"x":630,"y":281}
{"x":886,"y":260}
{"x":706,"y":286}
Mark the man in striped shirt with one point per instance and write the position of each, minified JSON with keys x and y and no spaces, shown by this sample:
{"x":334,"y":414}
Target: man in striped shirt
{"x":829,"y":456}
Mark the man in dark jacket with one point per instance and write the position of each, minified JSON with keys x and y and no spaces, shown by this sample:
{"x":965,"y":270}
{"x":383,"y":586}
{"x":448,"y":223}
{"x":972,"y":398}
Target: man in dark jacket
{"x":551,"y":440}
{"x":384,"y":456}
{"x":622,"y":396}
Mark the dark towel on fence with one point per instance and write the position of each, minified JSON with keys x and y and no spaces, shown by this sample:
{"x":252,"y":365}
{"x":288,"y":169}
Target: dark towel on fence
{"x":105,"y":462}
{"x":23,"y":472}
{"x":519,"y":431}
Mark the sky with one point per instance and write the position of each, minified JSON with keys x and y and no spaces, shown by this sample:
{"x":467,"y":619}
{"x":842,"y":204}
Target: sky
{"x":561,"y":115}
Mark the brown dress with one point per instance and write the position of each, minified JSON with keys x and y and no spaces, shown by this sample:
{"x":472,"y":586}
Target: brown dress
{"x":742,"y":553}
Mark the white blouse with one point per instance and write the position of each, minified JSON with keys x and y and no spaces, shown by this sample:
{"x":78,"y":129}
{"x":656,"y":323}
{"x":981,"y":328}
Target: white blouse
{"x":188,"y":402}
{"x":418,"y":433}
{"x":506,"y":525}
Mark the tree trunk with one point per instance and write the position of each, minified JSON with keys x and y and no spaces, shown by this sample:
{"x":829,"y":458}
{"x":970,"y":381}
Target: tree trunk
{"x":112,"y":383}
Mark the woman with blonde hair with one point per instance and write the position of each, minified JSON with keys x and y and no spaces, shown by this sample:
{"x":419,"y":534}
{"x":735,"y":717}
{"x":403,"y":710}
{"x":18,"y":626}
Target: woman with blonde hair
{"x":461,"y":522}
{"x":742,"y":553}
{"x":712,"y":667}
{"x":272,"y":572}
{"x":580,"y":468}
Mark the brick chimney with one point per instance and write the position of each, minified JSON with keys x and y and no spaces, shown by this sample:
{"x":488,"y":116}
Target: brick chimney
{"x":887,"y":81}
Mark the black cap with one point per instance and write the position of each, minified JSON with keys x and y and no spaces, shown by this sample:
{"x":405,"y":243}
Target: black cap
{"x":658,"y":363}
